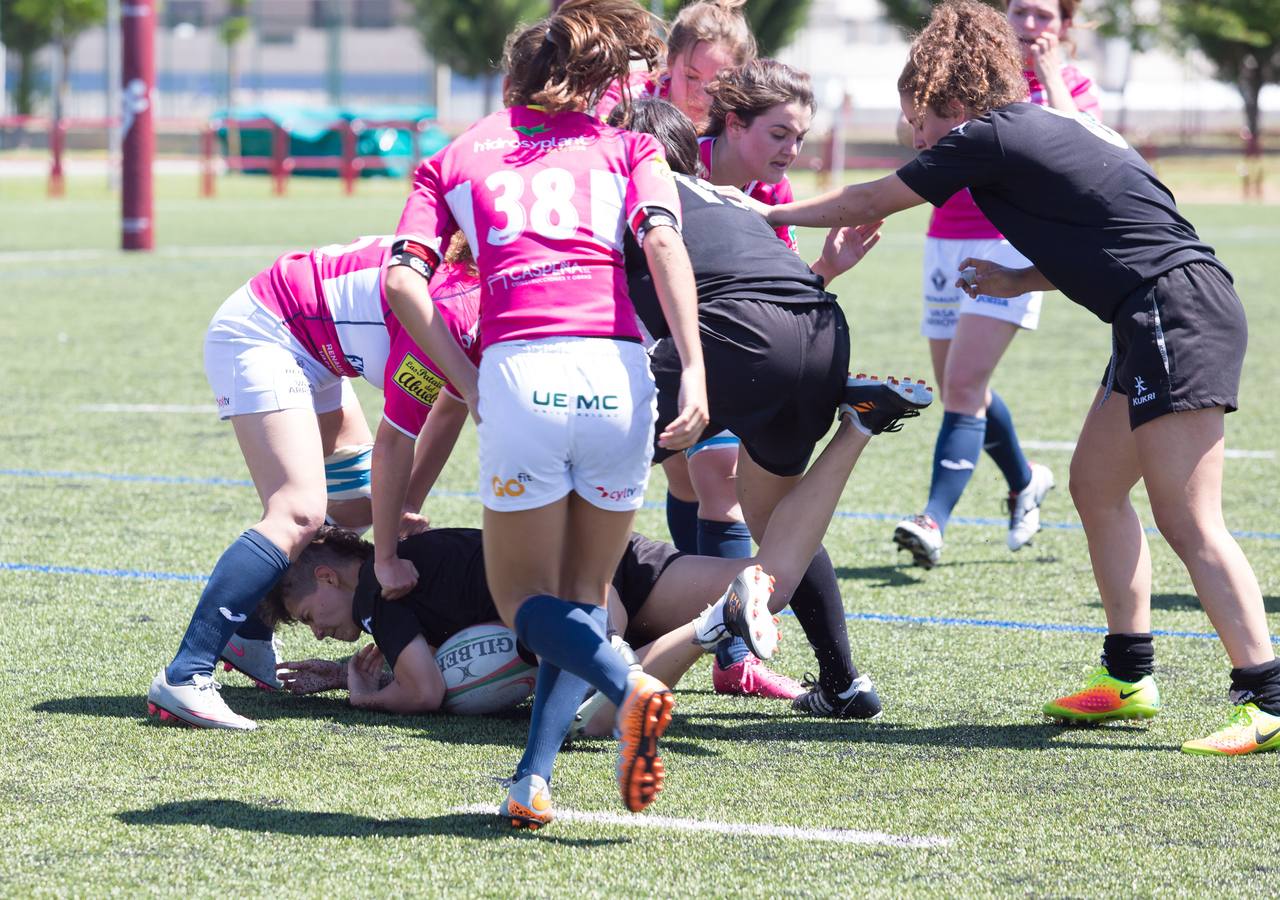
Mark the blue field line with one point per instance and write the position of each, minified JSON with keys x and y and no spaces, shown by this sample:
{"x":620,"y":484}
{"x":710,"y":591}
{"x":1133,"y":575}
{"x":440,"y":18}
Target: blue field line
{"x":107,"y":573}
{"x":886,"y":618}
{"x":472,"y":495}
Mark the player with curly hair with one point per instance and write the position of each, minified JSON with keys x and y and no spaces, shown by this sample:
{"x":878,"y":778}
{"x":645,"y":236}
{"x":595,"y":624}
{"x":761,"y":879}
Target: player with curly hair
{"x":969,"y":335}
{"x":1096,"y":223}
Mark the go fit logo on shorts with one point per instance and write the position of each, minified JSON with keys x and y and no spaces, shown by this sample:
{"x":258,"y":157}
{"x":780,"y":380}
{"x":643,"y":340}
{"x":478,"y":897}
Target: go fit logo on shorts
{"x":512,"y":487}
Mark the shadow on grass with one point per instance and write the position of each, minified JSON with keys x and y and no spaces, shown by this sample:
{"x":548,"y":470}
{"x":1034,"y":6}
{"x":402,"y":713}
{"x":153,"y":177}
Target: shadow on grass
{"x":240,"y":816}
{"x":508,"y":730}
{"x":1026,"y":736}
{"x":1190,"y":602}
{"x":906,"y":575}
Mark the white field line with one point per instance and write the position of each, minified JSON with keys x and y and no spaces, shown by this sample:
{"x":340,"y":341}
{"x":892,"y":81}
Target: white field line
{"x":1069,"y":446}
{"x":93,"y":254}
{"x":734,"y":829}
{"x":165,"y":408}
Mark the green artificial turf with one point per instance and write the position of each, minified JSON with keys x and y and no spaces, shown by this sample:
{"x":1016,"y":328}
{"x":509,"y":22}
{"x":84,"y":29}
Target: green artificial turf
{"x":326,"y":800}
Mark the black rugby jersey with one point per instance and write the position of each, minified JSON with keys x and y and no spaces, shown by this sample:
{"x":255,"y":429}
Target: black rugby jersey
{"x":451,"y":593}
{"x":1070,"y":194}
{"x":735,"y":254}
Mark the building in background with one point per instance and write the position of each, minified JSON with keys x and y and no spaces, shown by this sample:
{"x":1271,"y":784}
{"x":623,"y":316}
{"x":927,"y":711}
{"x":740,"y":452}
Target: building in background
{"x":362,"y":52}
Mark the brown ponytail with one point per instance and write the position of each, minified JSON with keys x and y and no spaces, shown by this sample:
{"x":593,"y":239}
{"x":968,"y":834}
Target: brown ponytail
{"x":569,"y":59}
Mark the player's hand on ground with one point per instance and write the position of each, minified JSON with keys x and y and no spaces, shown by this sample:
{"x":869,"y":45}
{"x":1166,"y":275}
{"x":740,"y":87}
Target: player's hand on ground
{"x":397,"y":577}
{"x":412,"y":523}
{"x":364,"y":671}
{"x":310,"y":676}
{"x":845,"y":247}
{"x":982,"y":276}
{"x":687,"y":427}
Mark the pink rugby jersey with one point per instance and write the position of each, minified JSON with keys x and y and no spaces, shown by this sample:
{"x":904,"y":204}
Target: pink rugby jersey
{"x":332,"y":301}
{"x":543,"y":200}
{"x":771,"y":194}
{"x":959,"y":218}
{"x":638,"y":86}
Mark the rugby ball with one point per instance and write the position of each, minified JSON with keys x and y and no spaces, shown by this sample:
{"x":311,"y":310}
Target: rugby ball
{"x":482,"y":671}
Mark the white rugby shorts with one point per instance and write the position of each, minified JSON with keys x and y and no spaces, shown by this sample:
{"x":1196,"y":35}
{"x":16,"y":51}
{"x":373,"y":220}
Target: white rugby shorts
{"x":565,"y":414}
{"x":254,"y":364}
{"x":944,"y":303}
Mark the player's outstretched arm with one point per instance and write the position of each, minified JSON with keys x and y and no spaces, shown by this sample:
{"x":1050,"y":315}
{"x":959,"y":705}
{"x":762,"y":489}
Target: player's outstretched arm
{"x":435,"y":445}
{"x":393,"y":453}
{"x":673,"y":282}
{"x":854,"y":204}
{"x":418,"y":686}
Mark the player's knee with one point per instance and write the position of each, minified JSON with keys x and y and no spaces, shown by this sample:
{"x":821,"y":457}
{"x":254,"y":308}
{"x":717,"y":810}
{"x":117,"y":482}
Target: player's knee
{"x":1182,"y":530}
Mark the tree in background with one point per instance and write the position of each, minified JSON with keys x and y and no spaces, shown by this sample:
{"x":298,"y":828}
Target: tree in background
{"x":468,"y":35}
{"x":774,"y":22}
{"x":913,"y":14}
{"x":31,"y":24}
{"x":1242,"y":40}
{"x":24,"y":37}
{"x":235,"y":26}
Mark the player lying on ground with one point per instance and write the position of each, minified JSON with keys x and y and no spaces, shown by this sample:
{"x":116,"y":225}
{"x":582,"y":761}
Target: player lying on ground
{"x":776,"y":350}
{"x":277,"y":355}
{"x":1096,"y":223}
{"x":659,"y":596}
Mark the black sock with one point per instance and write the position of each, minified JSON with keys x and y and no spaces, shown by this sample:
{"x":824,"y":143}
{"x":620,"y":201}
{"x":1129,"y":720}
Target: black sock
{"x":820,"y":612}
{"x":1258,"y":684}
{"x":1128,"y":657}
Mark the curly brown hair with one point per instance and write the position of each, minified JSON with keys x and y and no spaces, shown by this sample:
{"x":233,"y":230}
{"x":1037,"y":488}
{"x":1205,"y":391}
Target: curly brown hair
{"x":967,"y":54}
{"x":718,"y":22}
{"x":570,"y":58}
{"x":332,"y":546}
{"x":749,"y":90}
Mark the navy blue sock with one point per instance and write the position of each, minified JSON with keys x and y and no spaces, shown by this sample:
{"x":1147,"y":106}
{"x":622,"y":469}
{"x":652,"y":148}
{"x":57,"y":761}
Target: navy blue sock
{"x":572,"y":637}
{"x":727,"y":540}
{"x":1003,"y":447}
{"x":555,"y":702}
{"x":245,"y":572}
{"x":682,"y":522}
{"x":254,"y":629}
{"x":954,"y":456}
{"x":819,"y":609}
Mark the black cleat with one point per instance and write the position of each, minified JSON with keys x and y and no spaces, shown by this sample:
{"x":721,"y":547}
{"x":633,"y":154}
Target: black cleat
{"x":881,"y":405}
{"x":862,"y":703}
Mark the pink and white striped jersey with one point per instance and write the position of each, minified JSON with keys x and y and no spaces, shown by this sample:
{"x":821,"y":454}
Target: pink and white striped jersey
{"x":959,"y":218}
{"x":332,"y":300}
{"x":771,"y":194}
{"x":543,"y":200}
{"x":638,"y":86}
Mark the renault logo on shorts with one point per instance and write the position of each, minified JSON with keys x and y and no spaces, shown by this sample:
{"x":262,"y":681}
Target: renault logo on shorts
{"x":512,"y":487}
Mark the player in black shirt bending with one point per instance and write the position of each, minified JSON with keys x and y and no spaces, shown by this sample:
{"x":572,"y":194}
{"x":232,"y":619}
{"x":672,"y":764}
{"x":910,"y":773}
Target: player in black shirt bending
{"x":776,"y":351}
{"x":656,"y":598}
{"x":1099,"y":226}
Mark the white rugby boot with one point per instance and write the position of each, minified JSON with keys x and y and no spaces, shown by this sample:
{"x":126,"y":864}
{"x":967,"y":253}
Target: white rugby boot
{"x":255,"y":659}
{"x":196,"y":704}
{"x":1024,"y":507}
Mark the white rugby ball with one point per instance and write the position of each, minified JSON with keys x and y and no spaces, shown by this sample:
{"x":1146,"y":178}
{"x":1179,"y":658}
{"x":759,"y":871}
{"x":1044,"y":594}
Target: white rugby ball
{"x":482,"y":671}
